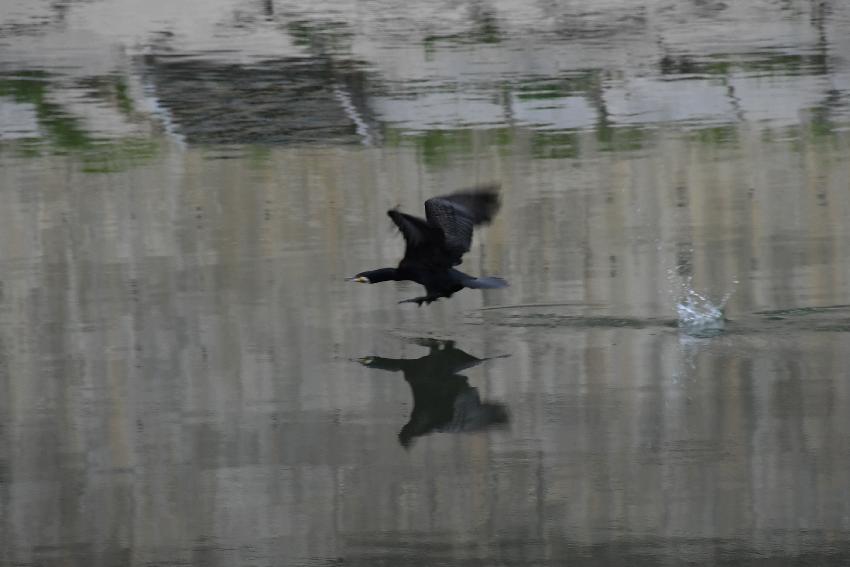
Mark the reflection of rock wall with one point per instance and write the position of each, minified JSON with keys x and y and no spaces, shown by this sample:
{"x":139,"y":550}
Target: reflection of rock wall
{"x":287,"y":101}
{"x":295,"y":72}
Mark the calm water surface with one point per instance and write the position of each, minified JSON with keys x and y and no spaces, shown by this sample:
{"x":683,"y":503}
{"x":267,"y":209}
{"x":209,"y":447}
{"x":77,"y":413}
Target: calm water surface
{"x":186,"y":379}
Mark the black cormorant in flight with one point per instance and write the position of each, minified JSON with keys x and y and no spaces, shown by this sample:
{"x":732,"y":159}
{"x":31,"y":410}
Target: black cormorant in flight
{"x":435,"y":244}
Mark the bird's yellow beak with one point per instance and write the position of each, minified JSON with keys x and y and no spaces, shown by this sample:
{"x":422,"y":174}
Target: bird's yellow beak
{"x":359,"y":279}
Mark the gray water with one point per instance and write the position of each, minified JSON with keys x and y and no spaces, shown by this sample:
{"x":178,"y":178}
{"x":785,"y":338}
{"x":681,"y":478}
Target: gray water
{"x":187,"y":379}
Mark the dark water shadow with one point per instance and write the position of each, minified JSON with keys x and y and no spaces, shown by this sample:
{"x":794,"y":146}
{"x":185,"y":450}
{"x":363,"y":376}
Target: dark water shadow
{"x":529,"y":316}
{"x":412,"y":549}
{"x":819,"y":319}
{"x":443,"y":400}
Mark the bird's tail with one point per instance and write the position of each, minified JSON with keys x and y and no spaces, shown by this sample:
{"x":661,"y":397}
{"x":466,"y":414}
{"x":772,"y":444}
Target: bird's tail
{"x":485,"y":283}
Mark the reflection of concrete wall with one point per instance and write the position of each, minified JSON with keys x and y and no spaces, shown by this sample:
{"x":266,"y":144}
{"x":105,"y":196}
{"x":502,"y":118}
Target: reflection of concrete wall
{"x":175,"y":344}
{"x":17,"y":120}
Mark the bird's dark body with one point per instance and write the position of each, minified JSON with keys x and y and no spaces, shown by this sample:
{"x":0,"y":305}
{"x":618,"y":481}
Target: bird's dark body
{"x":435,"y":244}
{"x":442,"y":283}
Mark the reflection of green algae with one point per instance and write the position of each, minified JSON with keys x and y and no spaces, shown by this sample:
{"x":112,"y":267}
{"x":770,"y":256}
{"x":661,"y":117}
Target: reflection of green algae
{"x":112,"y":88}
{"x":259,"y":155}
{"x":31,"y":87}
{"x":554,"y":145}
{"x":818,"y":130}
{"x":784,"y":64}
{"x":63,"y":133}
{"x":721,"y":68}
{"x":125,"y":103}
{"x":624,"y":139}
{"x":28,"y":147}
{"x":485,"y":31}
{"x":717,"y":135}
{"x":437,"y":147}
{"x":820,"y":125}
{"x":502,"y":136}
{"x":321,"y":36}
{"x":542,"y":92}
{"x":578,"y":84}
{"x":118,"y":156}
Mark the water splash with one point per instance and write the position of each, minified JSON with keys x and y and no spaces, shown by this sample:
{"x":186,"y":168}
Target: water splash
{"x":698,"y":315}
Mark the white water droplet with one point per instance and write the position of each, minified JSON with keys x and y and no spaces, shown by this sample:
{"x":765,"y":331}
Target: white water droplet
{"x":697,"y":314}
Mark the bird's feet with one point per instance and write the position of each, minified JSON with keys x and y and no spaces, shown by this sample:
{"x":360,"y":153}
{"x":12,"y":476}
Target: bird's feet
{"x":419,"y":300}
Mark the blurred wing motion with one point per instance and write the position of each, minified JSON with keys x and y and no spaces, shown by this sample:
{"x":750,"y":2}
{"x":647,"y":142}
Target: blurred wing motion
{"x":418,"y":234}
{"x":446,"y":235}
{"x":455,"y":215}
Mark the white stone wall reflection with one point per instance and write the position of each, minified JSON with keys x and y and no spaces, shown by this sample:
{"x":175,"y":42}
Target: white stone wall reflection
{"x":177,"y":346}
{"x":462,"y":65}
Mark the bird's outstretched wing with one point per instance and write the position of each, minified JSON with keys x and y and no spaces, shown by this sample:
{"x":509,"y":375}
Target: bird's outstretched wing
{"x":416,"y":231}
{"x":456,"y":214}
{"x":422,"y":241}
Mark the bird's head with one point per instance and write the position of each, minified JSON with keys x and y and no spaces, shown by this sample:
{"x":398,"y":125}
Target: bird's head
{"x":359,"y":278}
{"x":374,"y":276}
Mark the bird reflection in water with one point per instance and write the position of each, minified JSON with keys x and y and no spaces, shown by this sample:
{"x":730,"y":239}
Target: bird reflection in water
{"x":443,"y":400}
